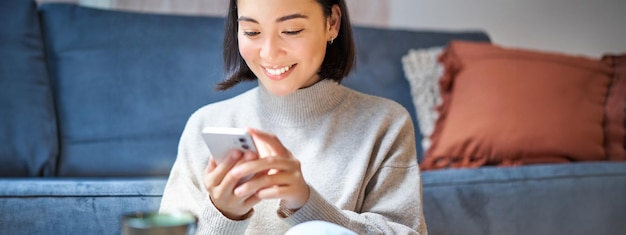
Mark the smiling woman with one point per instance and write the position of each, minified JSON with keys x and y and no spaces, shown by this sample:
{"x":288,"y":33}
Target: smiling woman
{"x":326,"y":153}
{"x":270,"y":42}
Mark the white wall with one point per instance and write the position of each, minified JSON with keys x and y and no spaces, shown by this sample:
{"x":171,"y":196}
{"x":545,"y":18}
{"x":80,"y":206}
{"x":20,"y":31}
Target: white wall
{"x":584,"y":27}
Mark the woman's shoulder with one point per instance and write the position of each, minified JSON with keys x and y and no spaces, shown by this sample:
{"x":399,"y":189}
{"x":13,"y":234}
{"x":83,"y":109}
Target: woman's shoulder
{"x":371,"y":103}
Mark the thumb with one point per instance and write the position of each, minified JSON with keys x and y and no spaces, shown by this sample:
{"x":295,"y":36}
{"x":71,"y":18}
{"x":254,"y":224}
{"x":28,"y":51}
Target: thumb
{"x":268,"y":144}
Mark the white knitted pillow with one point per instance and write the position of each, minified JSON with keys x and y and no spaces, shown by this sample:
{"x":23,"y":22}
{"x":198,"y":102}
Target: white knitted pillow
{"x":423,"y":73}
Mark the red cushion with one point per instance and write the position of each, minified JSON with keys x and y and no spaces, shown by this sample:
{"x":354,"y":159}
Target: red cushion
{"x":506,"y":106}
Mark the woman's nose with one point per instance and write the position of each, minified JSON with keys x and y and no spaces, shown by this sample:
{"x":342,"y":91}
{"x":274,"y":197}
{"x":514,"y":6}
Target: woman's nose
{"x":271,"y":48}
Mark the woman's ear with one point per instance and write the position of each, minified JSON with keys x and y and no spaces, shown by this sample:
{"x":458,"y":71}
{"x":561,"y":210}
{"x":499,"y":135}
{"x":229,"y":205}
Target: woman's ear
{"x":334,"y":22}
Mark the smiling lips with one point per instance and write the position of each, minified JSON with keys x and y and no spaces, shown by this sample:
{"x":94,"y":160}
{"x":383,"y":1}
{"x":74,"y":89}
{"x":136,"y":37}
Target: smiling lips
{"x":279,"y":71}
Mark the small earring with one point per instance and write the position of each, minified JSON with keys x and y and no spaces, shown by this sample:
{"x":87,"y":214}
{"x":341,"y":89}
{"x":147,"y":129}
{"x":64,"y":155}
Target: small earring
{"x":331,"y":41}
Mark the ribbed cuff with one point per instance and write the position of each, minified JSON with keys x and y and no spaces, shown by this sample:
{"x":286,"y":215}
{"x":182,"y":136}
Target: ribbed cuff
{"x":214,"y":222}
{"x":316,"y":208}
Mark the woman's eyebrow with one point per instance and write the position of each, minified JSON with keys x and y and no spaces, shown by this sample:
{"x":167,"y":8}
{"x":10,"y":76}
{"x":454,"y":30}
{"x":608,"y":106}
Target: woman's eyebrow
{"x":243,"y":18}
{"x":292,"y":16}
{"x":280,"y":19}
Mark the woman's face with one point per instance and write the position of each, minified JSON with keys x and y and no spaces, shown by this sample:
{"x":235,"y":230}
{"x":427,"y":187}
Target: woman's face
{"x":284,"y":41}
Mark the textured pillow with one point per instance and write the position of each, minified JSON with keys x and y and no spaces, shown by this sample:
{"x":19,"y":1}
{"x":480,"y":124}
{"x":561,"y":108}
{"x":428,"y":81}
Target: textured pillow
{"x":615,"y":124}
{"x":423,"y":72}
{"x":512,"y":107}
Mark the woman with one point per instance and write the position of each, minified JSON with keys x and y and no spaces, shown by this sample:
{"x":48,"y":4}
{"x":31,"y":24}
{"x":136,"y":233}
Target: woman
{"x":326,"y":153}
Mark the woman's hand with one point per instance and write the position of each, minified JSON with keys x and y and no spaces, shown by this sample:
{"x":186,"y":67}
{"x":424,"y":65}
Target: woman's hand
{"x":277,"y":174}
{"x":220,"y":184}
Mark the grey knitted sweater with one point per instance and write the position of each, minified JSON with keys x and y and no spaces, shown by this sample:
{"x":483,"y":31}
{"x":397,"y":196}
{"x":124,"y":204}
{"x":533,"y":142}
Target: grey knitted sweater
{"x":357,"y":154}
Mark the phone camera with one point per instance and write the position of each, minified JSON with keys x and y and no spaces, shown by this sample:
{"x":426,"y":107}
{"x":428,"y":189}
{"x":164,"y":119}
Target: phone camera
{"x":245,"y":146}
{"x":242,"y":140}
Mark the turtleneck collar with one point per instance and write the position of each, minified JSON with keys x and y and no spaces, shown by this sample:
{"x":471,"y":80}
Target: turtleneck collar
{"x":302,"y":107}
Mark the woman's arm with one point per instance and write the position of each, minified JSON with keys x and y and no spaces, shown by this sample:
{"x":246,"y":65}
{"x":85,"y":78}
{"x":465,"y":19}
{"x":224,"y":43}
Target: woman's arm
{"x":392,"y":201}
{"x":185,"y":190}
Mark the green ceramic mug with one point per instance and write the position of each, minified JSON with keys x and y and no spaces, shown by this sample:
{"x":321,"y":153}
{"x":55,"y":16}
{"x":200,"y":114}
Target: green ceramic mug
{"x":154,"y":223}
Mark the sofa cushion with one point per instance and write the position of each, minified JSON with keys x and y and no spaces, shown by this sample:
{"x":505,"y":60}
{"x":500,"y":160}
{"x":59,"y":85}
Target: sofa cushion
{"x":577,"y":198}
{"x":506,"y":106}
{"x":125,"y":84}
{"x":74,"y":206}
{"x":28,"y":135}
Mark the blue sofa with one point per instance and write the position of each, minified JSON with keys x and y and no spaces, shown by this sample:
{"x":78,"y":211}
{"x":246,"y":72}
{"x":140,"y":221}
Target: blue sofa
{"x":92,"y":103}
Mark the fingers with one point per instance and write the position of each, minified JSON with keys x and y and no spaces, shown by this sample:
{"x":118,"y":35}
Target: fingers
{"x":267,"y":164}
{"x":268,"y":143}
{"x":260,"y":182}
{"x":273,"y":192}
{"x":220,"y":183}
{"x":290,"y":187}
{"x":277,"y":174}
{"x":210,"y":167}
{"x":286,"y":172}
{"x":215,"y":173}
{"x":249,"y":156}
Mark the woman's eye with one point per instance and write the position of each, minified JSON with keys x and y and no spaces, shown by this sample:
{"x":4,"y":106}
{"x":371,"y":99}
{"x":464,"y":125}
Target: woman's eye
{"x":251,"y":33}
{"x":294,"y":32}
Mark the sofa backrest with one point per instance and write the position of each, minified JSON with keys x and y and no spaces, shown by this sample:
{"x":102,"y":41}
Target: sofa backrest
{"x":125,"y":83}
{"x":28,"y":134}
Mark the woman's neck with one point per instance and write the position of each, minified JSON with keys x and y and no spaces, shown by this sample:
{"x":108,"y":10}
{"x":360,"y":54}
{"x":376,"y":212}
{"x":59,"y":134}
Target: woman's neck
{"x":302,"y":107}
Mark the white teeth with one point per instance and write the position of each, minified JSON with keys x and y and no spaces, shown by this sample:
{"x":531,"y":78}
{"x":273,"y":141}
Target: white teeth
{"x":278,"y":71}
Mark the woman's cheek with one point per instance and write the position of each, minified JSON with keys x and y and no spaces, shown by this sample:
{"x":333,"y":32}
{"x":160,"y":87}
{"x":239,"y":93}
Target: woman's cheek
{"x":246,"y":50}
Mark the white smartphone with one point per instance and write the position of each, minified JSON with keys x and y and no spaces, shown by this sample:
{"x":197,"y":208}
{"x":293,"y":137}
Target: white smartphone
{"x":222,"y":140}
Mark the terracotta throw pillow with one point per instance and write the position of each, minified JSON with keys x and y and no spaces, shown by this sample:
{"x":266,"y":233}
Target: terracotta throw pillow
{"x":512,"y":107}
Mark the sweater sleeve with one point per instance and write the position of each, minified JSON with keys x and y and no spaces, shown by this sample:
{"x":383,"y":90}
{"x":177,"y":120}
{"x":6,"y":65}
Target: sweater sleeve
{"x":184,"y":190}
{"x":392,"y":204}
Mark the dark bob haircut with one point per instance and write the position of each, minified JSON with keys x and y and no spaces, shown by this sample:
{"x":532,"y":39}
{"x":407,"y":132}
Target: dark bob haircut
{"x":339,"y":59}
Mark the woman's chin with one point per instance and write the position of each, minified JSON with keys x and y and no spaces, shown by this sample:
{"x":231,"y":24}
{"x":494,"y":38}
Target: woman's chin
{"x":280,"y":90}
